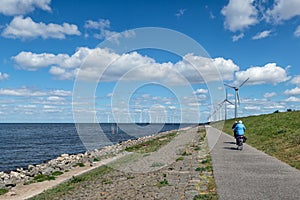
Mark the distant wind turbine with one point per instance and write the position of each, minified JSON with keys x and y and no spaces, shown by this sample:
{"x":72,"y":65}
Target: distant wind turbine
{"x":237,"y":98}
{"x":224,"y":102}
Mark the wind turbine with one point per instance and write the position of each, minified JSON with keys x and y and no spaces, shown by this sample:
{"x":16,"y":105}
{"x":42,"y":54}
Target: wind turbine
{"x":225,"y":101}
{"x":237,"y":98}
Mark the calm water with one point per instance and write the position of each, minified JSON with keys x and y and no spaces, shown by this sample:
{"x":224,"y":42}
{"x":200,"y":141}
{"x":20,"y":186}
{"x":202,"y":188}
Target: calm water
{"x":24,"y":144}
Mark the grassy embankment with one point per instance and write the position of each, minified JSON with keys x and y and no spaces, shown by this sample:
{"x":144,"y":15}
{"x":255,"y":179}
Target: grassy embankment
{"x":276,"y":134}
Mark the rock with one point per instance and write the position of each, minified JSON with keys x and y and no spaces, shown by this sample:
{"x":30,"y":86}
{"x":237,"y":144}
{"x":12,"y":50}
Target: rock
{"x":64,"y":155}
{"x":11,"y":193}
{"x":30,"y":167}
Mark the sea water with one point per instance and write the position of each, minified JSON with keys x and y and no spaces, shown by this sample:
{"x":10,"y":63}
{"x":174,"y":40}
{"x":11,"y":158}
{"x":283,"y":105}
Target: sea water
{"x":24,"y":144}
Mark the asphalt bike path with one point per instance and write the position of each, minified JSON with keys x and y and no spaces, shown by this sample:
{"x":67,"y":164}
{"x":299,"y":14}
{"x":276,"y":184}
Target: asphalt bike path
{"x":250,"y":173}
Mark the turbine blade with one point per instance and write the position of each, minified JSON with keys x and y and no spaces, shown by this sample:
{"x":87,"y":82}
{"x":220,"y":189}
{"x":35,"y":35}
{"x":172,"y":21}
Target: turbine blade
{"x":229,"y":86}
{"x":238,"y":97}
{"x":244,"y":82}
{"x":229,"y":102}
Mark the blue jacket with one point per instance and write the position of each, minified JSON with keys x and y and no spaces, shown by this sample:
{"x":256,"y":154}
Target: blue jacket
{"x":239,"y":129}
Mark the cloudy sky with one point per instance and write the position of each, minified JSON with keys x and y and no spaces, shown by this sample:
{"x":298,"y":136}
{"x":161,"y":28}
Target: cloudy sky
{"x":47,"y":46}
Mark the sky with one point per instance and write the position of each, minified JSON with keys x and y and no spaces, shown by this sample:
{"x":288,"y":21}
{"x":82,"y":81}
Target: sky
{"x":147,"y":61}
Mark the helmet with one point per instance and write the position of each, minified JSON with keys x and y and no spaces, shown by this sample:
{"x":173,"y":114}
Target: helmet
{"x":240,"y":122}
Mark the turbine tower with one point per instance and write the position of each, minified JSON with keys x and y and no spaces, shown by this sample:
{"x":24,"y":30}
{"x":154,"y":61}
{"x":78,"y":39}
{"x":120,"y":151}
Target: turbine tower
{"x":237,"y":98}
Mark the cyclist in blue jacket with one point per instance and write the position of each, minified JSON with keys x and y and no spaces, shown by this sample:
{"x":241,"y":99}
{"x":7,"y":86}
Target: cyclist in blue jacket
{"x":240,"y":129}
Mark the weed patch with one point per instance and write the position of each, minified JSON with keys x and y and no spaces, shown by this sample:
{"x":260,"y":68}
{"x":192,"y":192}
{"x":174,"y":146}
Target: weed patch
{"x":3,"y":191}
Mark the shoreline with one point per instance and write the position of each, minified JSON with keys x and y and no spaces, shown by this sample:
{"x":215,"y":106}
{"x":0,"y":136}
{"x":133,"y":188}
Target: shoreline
{"x":67,"y":163}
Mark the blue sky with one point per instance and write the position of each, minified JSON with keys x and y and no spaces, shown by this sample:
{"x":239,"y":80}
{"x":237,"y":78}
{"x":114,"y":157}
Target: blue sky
{"x":45,"y":44}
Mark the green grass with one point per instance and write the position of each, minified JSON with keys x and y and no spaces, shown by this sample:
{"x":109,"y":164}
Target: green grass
{"x":205,"y":197}
{"x":152,"y":145}
{"x":42,"y":177}
{"x":276,"y":134}
{"x":79,"y":165}
{"x":96,"y":159}
{"x":162,"y":183}
{"x":179,"y":158}
{"x":3,"y":191}
{"x":73,"y":183}
{"x":57,"y":173}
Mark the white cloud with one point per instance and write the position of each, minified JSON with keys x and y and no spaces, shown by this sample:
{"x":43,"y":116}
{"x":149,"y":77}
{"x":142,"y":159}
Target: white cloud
{"x":239,"y":14}
{"x":104,"y":32}
{"x":270,"y":94}
{"x":252,"y":108}
{"x":32,"y":61}
{"x":3,"y":76}
{"x":201,"y":91}
{"x":26,"y":92}
{"x":55,"y":98}
{"x":21,"y":7}
{"x":297,"y":32}
{"x":26,"y":28}
{"x":283,"y":10}
{"x":62,"y":93}
{"x":296,"y":80}
{"x":262,"y":35}
{"x":180,"y":12}
{"x":295,"y":91}
{"x":194,"y":68}
{"x":237,"y":37}
{"x":103,"y":25}
{"x":270,"y":73}
{"x":292,"y":99}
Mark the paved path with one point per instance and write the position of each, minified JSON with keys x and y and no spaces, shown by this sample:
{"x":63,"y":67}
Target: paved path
{"x":249,"y":174}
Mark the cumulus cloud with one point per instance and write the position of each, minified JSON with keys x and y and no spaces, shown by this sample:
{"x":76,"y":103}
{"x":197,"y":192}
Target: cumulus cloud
{"x":32,"y":61}
{"x":283,"y":10}
{"x":295,"y":91}
{"x":3,"y":76}
{"x":113,"y":66}
{"x":21,"y":7}
{"x":239,"y":14}
{"x":296,"y":80}
{"x":261,"y":35}
{"x":270,"y":73}
{"x":26,"y":28}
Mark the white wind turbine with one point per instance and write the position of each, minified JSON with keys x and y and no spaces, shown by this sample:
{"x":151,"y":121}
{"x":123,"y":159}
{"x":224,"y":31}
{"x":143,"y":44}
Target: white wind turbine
{"x":237,"y":98}
{"x":224,"y":102}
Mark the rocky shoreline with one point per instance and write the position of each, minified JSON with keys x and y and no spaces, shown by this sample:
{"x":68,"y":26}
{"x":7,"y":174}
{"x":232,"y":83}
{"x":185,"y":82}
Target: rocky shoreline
{"x":67,"y":162}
